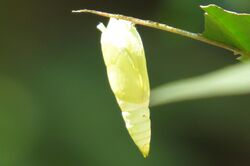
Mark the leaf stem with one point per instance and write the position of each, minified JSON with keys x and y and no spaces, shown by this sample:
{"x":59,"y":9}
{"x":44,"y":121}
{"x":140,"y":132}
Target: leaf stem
{"x":164,"y":27}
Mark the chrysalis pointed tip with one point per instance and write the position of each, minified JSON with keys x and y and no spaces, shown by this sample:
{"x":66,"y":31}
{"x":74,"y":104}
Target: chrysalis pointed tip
{"x":145,"y":150}
{"x":101,"y":27}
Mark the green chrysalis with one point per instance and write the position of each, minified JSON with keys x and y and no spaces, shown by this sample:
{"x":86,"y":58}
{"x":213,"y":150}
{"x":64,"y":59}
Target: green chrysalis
{"x":125,"y":60}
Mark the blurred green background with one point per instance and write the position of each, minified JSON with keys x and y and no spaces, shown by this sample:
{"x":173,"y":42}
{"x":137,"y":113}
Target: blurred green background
{"x":56,"y":106}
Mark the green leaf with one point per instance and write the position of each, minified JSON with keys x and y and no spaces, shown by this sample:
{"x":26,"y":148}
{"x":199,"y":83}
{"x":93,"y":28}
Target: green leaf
{"x":233,"y":80}
{"x":228,"y":27}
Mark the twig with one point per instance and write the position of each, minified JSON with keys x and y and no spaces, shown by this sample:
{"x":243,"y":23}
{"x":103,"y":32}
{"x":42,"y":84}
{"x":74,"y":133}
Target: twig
{"x":164,"y":27}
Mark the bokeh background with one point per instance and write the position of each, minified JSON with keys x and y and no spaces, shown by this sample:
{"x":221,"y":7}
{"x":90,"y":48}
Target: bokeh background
{"x":56,"y":106}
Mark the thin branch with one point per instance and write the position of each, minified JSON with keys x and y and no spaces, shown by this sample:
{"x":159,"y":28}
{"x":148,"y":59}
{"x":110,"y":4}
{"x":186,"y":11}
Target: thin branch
{"x":163,"y":27}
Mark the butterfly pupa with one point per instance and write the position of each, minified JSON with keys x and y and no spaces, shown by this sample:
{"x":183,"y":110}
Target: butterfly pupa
{"x":125,"y":61}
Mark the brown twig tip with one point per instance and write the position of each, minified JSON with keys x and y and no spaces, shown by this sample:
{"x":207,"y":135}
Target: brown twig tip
{"x":75,"y":11}
{"x":96,"y":12}
{"x":80,"y":11}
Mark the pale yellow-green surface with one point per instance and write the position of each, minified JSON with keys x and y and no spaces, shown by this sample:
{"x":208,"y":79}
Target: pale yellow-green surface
{"x":124,"y":58}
